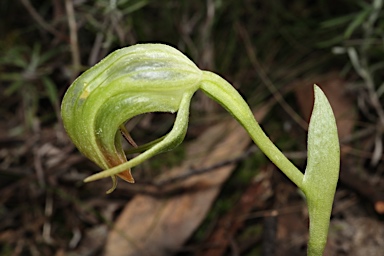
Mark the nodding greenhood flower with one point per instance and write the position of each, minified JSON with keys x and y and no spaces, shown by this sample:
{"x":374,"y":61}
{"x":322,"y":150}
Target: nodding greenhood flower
{"x":128,"y":82}
{"x":158,"y":78}
{"x":140,"y":79}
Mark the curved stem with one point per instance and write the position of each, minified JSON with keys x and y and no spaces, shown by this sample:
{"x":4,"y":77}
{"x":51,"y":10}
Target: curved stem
{"x":224,"y":93}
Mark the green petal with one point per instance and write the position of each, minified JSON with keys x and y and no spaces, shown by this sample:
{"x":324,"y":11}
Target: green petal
{"x":128,"y":82}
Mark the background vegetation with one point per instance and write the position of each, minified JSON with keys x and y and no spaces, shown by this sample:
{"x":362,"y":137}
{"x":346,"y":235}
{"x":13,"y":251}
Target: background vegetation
{"x":265,"y":48}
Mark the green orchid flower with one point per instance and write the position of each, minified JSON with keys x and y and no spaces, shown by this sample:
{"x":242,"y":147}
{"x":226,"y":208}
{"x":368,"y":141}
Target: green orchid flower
{"x":157,"y":78}
{"x":127,"y":83}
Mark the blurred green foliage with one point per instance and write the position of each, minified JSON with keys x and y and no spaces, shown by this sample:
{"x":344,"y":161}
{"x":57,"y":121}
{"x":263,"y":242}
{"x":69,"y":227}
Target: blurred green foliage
{"x":290,"y":38}
{"x":285,"y":37}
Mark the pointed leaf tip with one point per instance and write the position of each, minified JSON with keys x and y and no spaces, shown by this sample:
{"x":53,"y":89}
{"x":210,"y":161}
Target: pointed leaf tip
{"x":323,"y":141}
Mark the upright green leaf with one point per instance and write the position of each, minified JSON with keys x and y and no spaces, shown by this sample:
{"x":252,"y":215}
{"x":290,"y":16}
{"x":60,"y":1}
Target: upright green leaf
{"x":322,"y":172}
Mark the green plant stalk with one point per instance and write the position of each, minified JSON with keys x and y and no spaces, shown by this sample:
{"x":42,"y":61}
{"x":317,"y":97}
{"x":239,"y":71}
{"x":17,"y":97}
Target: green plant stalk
{"x":224,"y":93}
{"x":321,"y":175}
{"x":153,"y":77}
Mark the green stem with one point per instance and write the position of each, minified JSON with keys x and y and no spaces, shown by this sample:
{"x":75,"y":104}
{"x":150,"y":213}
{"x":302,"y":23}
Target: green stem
{"x":224,"y":93}
{"x":314,"y":249}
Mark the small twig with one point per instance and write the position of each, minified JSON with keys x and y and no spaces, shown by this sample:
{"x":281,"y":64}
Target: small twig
{"x":94,"y":56}
{"x":265,"y":79}
{"x":73,"y":37}
{"x":207,"y":55}
{"x":48,"y":213}
{"x":76,"y":237}
{"x":192,"y":172}
{"x":38,"y":168}
{"x":174,"y":184}
{"x":273,"y":212}
{"x":44,"y":25}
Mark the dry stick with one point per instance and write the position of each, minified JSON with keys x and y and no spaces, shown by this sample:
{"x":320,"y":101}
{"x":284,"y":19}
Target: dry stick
{"x":73,"y":37}
{"x":38,"y":167}
{"x":44,"y":25}
{"x":207,"y":56}
{"x":174,"y":184}
{"x":94,"y":56}
{"x":263,"y":76}
{"x":47,"y":226}
{"x":214,"y":167}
